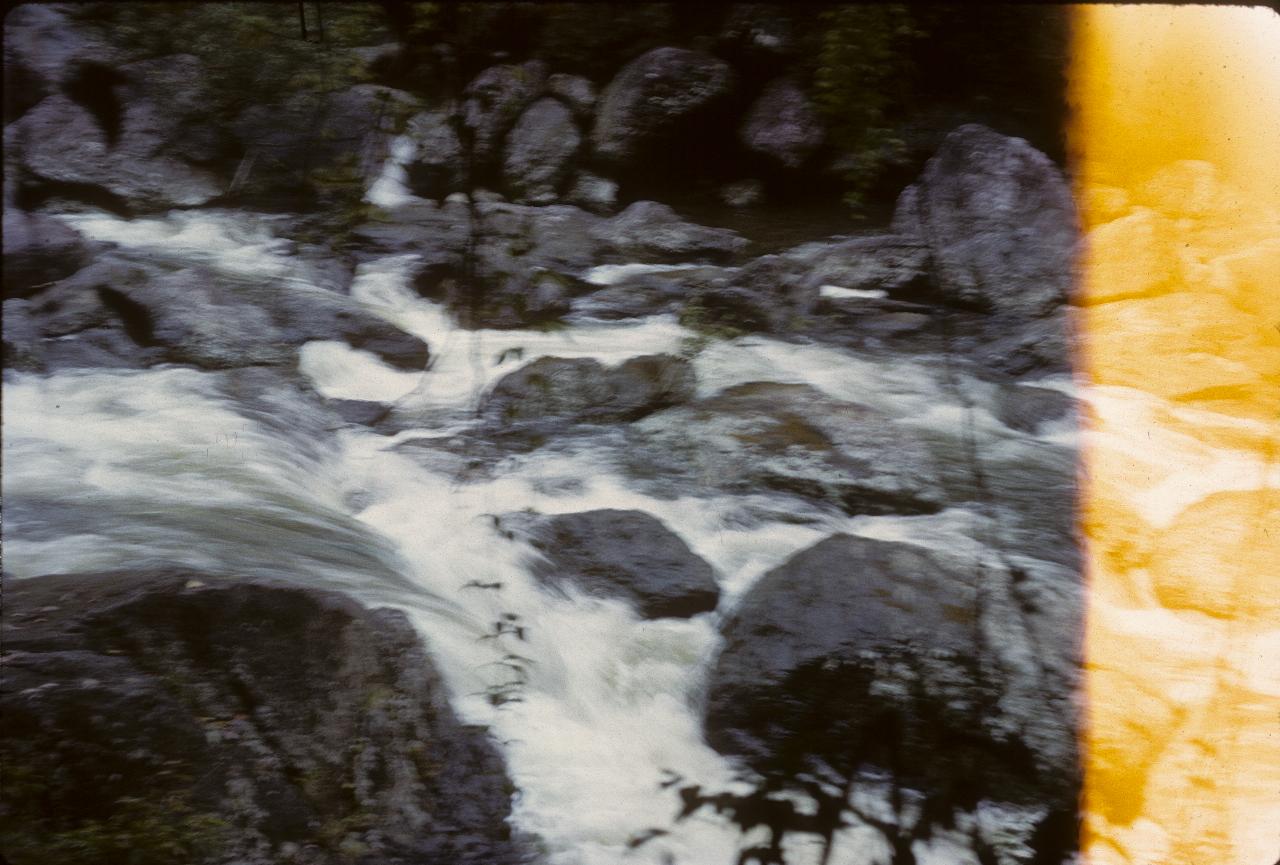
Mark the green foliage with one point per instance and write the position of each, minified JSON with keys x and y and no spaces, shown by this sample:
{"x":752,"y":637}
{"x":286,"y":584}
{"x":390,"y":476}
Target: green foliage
{"x":254,"y":52}
{"x":862,"y":72}
{"x":156,"y":830}
{"x":594,"y":39}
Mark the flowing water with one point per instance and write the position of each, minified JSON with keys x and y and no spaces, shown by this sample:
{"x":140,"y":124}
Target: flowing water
{"x":242,"y":473}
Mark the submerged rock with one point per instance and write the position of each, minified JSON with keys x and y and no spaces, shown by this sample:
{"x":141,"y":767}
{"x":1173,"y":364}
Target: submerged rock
{"x":742,"y":193}
{"x":623,"y":554}
{"x":179,"y":714}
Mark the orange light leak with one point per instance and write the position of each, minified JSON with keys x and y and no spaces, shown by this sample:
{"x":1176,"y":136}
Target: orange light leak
{"x":1176,"y":138}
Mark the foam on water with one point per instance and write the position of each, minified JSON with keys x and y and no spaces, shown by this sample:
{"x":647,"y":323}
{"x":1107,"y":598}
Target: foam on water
{"x":466,"y":363}
{"x":593,"y":702}
{"x":612,"y":274}
{"x":234,"y":241}
{"x":391,"y":188}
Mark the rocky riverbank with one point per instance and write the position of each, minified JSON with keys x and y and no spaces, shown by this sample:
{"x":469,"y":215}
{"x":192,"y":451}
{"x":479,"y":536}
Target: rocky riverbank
{"x":685,"y":526}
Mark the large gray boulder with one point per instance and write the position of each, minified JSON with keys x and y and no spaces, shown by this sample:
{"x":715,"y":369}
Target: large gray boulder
{"x":181,"y":715}
{"x":784,"y":439}
{"x":583,"y":389}
{"x":200,"y":316}
{"x":43,"y":49}
{"x":950,"y":677}
{"x":495,"y":99}
{"x":540,"y":152}
{"x":629,"y":555}
{"x":62,"y":143}
{"x":783,"y":125}
{"x":999,"y":222}
{"x":578,"y":93}
{"x":652,"y":98}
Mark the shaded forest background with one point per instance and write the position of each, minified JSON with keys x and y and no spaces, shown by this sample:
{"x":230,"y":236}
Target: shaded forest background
{"x":888,"y":80}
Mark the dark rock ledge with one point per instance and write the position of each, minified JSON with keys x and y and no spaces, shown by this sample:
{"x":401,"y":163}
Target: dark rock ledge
{"x":164,"y":717}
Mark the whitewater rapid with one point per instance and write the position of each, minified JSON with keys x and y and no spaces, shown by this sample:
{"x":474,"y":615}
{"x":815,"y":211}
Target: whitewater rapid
{"x":591,"y":704}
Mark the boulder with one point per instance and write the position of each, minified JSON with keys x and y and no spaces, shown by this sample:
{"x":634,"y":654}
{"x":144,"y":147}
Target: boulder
{"x":42,"y":50}
{"x":629,"y":555}
{"x":314,"y":142}
{"x":860,"y":654}
{"x":540,"y":151}
{"x":554,"y":389}
{"x":436,"y":167}
{"x":61,"y":143}
{"x":495,"y":99}
{"x":894,"y":264}
{"x":784,"y":439}
{"x":173,"y":100}
{"x":576,"y":92}
{"x":149,"y":716}
{"x":770,"y":293}
{"x":655,"y":97}
{"x":39,"y":250}
{"x":201,"y":316}
{"x":783,"y":125}
{"x":651,"y":232}
{"x":643,"y":294}
{"x":999,"y":221}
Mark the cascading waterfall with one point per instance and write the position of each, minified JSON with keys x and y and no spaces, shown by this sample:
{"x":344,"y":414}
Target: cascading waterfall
{"x":590,"y":703}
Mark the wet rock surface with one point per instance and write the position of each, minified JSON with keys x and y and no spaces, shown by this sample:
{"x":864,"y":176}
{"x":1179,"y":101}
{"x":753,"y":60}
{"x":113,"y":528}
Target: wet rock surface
{"x":868,"y":655}
{"x":621,"y":554}
{"x":235,"y":721}
{"x":999,"y":221}
{"x":39,"y":250}
{"x":553,"y":389}
{"x":141,"y":314}
{"x":652,"y":98}
{"x":789,"y":439}
{"x":540,"y":149}
{"x":783,"y":125}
